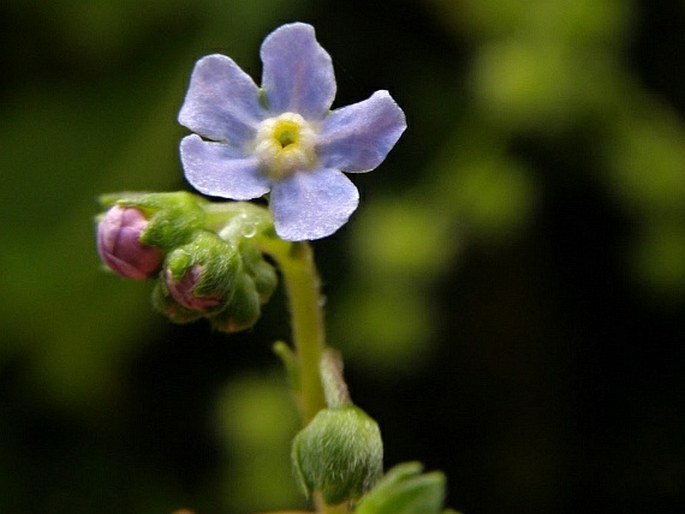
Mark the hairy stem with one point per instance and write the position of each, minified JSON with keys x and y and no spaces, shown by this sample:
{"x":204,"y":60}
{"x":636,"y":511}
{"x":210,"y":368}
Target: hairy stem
{"x":296,"y":262}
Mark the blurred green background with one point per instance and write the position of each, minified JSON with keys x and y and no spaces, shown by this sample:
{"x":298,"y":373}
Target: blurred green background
{"x":510,"y":296}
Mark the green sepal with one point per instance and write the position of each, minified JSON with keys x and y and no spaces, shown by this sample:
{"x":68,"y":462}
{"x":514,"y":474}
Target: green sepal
{"x":220,"y":264}
{"x":173,"y":218}
{"x":263,"y":273}
{"x":254,"y":287}
{"x":244,"y":308}
{"x":405,"y":490}
{"x":339,"y":453}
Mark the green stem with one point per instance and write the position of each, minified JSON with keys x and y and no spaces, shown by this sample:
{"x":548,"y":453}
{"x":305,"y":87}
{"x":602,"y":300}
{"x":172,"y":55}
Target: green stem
{"x":334,"y":386}
{"x":303,"y":286}
{"x":296,"y":262}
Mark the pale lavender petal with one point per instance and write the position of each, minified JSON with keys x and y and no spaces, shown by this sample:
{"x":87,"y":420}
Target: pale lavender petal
{"x":217,"y":169}
{"x":312,"y":204}
{"x":222,"y":102}
{"x":358,"y":137}
{"x":298,"y":73}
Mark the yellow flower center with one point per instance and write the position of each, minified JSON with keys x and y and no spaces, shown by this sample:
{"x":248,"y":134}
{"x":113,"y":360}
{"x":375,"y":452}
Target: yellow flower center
{"x":285,"y":144}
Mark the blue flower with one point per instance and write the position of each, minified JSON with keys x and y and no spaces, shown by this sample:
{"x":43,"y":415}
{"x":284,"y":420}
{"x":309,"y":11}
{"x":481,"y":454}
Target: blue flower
{"x":283,"y":138}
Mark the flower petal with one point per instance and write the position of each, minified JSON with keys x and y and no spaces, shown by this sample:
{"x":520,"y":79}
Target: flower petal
{"x":358,"y":137}
{"x":216,"y":169}
{"x":312,"y":204}
{"x":222,"y":102}
{"x":298,"y":73}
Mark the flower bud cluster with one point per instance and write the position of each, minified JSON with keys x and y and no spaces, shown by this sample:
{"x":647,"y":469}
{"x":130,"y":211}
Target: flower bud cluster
{"x":222,"y":277}
{"x":222,"y":281}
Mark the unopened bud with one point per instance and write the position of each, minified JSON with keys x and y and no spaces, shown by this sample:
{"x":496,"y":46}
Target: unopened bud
{"x":118,"y":242}
{"x":184,"y":290}
{"x":200,"y":276}
{"x":244,"y":308}
{"x":173,"y":218}
{"x":339,"y":453}
{"x":253,"y":287}
{"x":210,"y":277}
{"x":263,"y":273}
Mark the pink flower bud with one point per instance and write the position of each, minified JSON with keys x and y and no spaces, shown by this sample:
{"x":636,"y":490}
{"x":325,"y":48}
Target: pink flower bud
{"x":119,"y":245}
{"x":183,"y":291}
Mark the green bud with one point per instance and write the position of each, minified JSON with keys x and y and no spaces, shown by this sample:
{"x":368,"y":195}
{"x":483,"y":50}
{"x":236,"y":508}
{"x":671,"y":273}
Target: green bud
{"x":244,"y":308}
{"x":339,"y":453}
{"x":198,"y":278}
{"x":213,"y":278}
{"x":257,"y":280}
{"x":201,"y":275}
{"x":405,"y":490}
{"x":172,"y":218}
{"x":263,"y":274}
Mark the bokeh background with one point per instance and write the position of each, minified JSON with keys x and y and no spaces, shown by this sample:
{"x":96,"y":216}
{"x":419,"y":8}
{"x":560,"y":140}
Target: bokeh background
{"x":510,"y":296}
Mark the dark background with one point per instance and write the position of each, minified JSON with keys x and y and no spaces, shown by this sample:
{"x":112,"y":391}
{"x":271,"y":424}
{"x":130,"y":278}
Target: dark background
{"x":510,"y":296}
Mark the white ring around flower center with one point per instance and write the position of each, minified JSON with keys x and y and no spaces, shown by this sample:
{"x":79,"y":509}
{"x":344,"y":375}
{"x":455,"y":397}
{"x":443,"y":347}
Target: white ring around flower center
{"x":285,"y":144}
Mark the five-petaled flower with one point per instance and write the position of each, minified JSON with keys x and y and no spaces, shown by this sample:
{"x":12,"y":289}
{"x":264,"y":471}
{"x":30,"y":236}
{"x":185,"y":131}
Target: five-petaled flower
{"x":283,"y":138}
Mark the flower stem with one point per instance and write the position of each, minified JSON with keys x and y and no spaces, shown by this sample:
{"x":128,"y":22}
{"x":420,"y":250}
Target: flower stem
{"x":303,"y":286}
{"x":296,"y":262}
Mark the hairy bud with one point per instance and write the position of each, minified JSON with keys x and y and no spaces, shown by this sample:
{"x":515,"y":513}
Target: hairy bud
{"x":185,"y":290}
{"x":199,"y":278}
{"x":216,"y":279}
{"x":339,"y":453}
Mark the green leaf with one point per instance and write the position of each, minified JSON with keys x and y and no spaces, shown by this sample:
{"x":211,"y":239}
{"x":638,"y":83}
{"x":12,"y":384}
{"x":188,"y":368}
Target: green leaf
{"x":404,"y":490}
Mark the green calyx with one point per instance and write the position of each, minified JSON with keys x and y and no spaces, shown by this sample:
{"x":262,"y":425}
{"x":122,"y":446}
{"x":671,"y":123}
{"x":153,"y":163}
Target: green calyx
{"x":339,"y":454}
{"x":219,"y":262}
{"x":252,"y":289}
{"x":173,"y":218}
{"x":226,"y":282}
